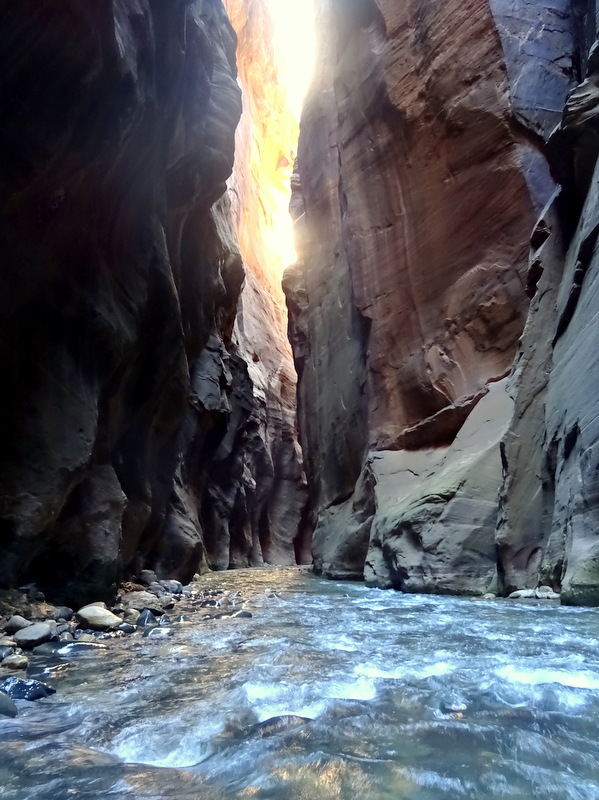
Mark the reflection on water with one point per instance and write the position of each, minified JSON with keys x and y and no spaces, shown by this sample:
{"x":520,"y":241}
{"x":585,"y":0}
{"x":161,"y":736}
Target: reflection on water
{"x":394,"y":697}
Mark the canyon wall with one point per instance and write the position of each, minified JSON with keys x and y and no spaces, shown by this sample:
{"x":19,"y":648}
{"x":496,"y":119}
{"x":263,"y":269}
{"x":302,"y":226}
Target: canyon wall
{"x":422,"y":168}
{"x":137,"y":431}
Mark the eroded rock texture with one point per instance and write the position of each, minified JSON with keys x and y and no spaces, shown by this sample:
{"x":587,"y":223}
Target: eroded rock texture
{"x":135,"y":432}
{"x":548,"y":527}
{"x":421,"y":174}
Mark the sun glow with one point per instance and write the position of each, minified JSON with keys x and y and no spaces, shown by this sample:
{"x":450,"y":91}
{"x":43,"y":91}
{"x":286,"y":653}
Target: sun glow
{"x":275,"y":56}
{"x":295,"y":42}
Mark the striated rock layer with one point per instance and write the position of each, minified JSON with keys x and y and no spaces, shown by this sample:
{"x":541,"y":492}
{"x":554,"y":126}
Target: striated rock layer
{"x":136,"y":431}
{"x":548,"y":524}
{"x":422,"y":169}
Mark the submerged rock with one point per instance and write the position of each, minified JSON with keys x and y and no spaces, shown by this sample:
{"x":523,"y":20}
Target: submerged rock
{"x":7,"y":707}
{"x":19,"y":689}
{"x":274,"y":725}
{"x":15,"y":661}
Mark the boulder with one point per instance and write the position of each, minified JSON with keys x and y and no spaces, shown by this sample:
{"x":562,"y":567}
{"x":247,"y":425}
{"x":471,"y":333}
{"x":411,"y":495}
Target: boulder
{"x":19,"y":689}
{"x":146,"y":577}
{"x":141,"y":600}
{"x":35,"y":634}
{"x":15,"y":661}
{"x":16,"y":623}
{"x":522,"y":594}
{"x":98,"y":618}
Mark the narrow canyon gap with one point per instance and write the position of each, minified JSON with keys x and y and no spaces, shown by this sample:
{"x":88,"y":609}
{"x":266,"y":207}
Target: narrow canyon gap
{"x":441,"y":308}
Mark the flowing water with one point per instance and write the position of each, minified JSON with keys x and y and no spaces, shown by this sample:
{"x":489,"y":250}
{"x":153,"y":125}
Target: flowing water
{"x":393,"y":697}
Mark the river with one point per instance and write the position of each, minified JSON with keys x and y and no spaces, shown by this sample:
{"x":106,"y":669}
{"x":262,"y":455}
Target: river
{"x":403,"y":697}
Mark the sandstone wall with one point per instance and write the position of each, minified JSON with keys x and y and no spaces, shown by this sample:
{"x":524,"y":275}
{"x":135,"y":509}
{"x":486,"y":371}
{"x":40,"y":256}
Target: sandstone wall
{"x":422,"y":171}
{"x":547,"y":528}
{"x":136,"y":429}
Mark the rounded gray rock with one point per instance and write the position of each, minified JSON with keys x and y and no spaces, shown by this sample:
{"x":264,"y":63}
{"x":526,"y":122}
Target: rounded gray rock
{"x":17,"y":623}
{"x":35,"y":634}
{"x":97,"y":618}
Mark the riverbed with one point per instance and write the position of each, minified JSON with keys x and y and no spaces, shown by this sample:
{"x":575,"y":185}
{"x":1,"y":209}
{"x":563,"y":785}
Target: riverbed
{"x":329,"y":690}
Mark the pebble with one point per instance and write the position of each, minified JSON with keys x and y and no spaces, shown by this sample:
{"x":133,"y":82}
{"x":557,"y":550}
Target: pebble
{"x":5,"y":651}
{"x":35,"y":634}
{"x":15,"y":661}
{"x":17,"y":623}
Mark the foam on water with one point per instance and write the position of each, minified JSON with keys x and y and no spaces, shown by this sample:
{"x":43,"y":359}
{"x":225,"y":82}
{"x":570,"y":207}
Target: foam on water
{"x":577,"y":680}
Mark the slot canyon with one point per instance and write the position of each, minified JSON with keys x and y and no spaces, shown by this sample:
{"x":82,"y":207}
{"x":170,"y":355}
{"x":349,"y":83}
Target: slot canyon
{"x":298,"y":306}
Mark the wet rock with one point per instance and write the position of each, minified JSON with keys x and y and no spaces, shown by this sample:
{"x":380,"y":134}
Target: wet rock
{"x":147,"y":618}
{"x":15,"y":661}
{"x":131,"y":616}
{"x":7,"y":706}
{"x":86,"y":638}
{"x":126,"y":627}
{"x":7,"y":641}
{"x":5,"y":651}
{"x":19,"y":689}
{"x":242,"y":615}
{"x":452,"y":706}
{"x":157,"y":589}
{"x":63,"y":612}
{"x":143,"y":600}
{"x":97,"y":618}
{"x":66,"y":637}
{"x":34,"y":634}
{"x":522,"y":594}
{"x":17,"y":623}
{"x":546,"y":593}
{"x":158,"y":633}
{"x":147,"y":577}
{"x":489,"y":596}
{"x":172,"y":587}
{"x":274,"y":725}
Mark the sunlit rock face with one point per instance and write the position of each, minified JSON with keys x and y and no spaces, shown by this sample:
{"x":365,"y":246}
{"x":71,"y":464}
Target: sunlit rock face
{"x":138,"y":430}
{"x":421,"y":174}
{"x":255,"y":496}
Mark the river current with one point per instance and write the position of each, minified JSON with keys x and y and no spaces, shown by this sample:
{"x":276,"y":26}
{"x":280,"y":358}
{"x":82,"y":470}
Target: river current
{"x":375,"y":696}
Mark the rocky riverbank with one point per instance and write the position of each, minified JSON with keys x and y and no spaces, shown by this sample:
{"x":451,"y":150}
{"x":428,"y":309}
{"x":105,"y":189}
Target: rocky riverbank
{"x":33,"y":630}
{"x":30,"y":626}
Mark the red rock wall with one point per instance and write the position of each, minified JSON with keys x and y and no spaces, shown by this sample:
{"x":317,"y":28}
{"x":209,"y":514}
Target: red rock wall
{"x":420,"y":177}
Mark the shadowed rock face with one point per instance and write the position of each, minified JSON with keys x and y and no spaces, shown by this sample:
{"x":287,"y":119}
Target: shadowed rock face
{"x":421,"y":173}
{"x":134,"y":434}
{"x":117,"y":138}
{"x":548,"y":524}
